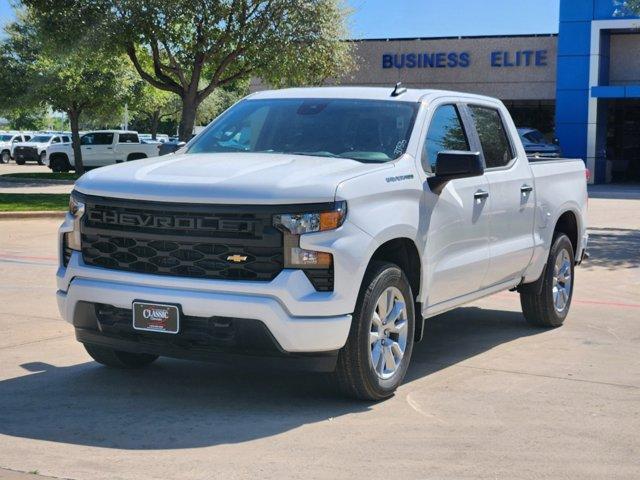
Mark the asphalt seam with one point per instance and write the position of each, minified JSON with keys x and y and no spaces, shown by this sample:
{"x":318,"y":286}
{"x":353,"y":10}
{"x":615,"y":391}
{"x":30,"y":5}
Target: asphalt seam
{"x":32,"y":474}
{"x":516,"y":372}
{"x":6,"y":347}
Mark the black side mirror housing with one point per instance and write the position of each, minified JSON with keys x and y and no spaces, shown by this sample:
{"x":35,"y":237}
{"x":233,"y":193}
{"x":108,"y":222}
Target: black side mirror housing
{"x":452,"y":164}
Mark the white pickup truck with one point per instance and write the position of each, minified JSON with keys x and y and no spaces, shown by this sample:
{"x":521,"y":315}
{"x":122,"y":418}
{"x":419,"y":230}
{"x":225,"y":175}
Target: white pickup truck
{"x":35,"y":148}
{"x":100,"y":148}
{"x":7,"y":141}
{"x":320,"y":227}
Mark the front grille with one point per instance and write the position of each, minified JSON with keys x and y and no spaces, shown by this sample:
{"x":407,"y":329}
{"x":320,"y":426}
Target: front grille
{"x":26,"y":153}
{"x":183,"y":258}
{"x":198,"y":241}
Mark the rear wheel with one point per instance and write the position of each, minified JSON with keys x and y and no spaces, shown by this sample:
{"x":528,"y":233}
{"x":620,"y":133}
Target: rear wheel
{"x":5,"y":157}
{"x":376,"y":356}
{"x":118,"y":359}
{"x":59,"y":164}
{"x":550,"y":307}
{"x":136,"y":156}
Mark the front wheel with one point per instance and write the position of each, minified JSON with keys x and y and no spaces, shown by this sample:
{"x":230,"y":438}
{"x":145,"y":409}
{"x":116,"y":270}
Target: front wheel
{"x":550,"y":307}
{"x":42,"y":158}
{"x":118,"y":359}
{"x":375,"y":359}
{"x":5,"y":157}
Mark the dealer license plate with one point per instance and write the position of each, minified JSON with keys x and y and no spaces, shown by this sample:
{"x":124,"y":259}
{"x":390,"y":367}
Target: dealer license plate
{"x":156,"y":317}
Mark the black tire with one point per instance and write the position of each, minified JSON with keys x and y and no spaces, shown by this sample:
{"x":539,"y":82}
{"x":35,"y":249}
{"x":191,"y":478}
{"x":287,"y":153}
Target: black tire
{"x":540,"y":309}
{"x":136,"y":156}
{"x":355,"y":373}
{"x":59,"y":164}
{"x":118,"y":359}
{"x":20,"y":161}
{"x":41,"y":158}
{"x":5,"y":156}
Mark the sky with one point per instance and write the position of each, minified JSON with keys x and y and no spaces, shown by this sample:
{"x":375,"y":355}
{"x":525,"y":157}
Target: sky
{"x":435,"y":18}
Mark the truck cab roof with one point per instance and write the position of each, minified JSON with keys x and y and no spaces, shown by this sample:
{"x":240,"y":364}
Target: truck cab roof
{"x":365,"y":93}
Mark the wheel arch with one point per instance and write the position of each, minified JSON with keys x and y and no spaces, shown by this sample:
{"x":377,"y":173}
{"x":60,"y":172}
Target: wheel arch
{"x":136,"y":156}
{"x":568,"y":223}
{"x":403,"y":252}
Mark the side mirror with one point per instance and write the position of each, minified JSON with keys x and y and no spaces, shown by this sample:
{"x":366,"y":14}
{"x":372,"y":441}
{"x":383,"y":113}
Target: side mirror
{"x":556,"y":141}
{"x":452,"y":164}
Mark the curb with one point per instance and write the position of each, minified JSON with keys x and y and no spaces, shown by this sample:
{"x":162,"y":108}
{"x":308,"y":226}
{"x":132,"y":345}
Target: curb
{"x":36,"y":181}
{"x":18,"y":215}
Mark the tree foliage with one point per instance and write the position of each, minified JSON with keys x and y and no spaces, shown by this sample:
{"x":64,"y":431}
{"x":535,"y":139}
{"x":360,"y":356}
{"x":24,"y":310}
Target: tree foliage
{"x":198,"y":46}
{"x":77,"y":79}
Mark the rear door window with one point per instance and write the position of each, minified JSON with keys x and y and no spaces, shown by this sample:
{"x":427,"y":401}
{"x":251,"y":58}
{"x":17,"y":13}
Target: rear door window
{"x":128,"y":138}
{"x":494,"y":139}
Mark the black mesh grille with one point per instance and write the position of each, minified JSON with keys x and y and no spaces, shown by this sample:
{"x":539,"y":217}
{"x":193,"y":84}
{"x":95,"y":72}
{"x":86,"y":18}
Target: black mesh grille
{"x":199,"y":241}
{"x":26,"y":153}
{"x":186,"y":259}
{"x":321,"y":279}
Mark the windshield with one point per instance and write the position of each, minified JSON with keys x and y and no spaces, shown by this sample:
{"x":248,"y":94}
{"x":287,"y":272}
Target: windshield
{"x":5,"y":138}
{"x":41,"y":139}
{"x":364,"y":130}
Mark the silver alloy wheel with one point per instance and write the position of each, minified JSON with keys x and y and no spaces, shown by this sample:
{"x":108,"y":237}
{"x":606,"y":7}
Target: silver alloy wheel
{"x":388,"y":333}
{"x":6,"y":157}
{"x":561,"y":288}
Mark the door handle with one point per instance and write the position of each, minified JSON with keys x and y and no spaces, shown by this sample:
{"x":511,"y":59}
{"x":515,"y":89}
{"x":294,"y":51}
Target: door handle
{"x":481,"y":195}
{"x":109,"y":148}
{"x":524,"y":189}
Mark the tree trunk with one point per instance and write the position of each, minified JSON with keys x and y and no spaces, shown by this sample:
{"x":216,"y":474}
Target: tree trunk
{"x":74,"y":120}
{"x":155,"y":119}
{"x":188,"y":119}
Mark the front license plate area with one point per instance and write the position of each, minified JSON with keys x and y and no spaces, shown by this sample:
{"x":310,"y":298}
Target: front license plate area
{"x":156,"y":317}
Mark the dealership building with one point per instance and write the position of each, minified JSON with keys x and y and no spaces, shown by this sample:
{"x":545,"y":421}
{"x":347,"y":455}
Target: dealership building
{"x":581,"y":86}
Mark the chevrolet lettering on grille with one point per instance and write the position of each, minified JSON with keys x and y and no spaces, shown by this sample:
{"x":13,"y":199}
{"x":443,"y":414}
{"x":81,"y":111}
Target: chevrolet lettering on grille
{"x":177,"y":222}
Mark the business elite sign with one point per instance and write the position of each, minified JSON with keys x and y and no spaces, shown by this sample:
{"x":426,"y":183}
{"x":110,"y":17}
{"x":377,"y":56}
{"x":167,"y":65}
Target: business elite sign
{"x":497,"y":59}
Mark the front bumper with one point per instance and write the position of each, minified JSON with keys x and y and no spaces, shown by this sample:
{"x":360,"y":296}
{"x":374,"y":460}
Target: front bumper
{"x":300,"y":319}
{"x":292,"y":334}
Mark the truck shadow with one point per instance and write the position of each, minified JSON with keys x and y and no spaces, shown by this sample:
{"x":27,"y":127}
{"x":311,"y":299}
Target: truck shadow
{"x":177,"y":404}
{"x":613,"y":248}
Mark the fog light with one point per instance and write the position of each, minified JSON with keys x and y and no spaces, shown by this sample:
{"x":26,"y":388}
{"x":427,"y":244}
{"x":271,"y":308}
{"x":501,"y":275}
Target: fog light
{"x":301,"y":258}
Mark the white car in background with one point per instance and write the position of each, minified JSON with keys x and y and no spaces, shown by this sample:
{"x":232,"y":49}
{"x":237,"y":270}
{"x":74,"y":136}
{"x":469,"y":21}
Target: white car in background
{"x":100,"y":148}
{"x":35,"y":149}
{"x":8,"y":141}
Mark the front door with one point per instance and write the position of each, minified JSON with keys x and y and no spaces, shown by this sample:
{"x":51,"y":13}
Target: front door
{"x":457,"y":244}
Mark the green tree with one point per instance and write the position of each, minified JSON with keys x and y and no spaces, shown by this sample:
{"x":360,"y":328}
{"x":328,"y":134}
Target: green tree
{"x":198,"y":46}
{"x":153,"y":105}
{"x":74,"y":80}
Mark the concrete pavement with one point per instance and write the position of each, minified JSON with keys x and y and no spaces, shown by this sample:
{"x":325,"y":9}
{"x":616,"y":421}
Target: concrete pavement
{"x":486,"y":396}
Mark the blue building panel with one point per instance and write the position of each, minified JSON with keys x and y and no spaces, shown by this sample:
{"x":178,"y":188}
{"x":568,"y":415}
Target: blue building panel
{"x":632,"y":91}
{"x":576,"y":10}
{"x":609,"y":9}
{"x":574,"y":38}
{"x":572,"y":106}
{"x":608,"y":92}
{"x":573,"y":73}
{"x":573,"y":139}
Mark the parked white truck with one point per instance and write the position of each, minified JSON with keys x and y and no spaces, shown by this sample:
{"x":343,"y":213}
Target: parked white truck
{"x":320,"y":227}
{"x":7,"y":141}
{"x":35,"y":148}
{"x":100,"y":148}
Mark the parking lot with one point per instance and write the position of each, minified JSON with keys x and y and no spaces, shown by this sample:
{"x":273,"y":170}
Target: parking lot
{"x":486,"y":395}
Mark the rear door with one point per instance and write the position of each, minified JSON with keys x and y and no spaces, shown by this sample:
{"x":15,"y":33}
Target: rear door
{"x":97,"y":149}
{"x":512,"y":201}
{"x":457,"y":244}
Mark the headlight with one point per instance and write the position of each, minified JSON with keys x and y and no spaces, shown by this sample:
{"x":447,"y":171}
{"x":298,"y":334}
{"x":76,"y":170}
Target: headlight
{"x":300,"y":223}
{"x":295,"y":224}
{"x":72,"y":239}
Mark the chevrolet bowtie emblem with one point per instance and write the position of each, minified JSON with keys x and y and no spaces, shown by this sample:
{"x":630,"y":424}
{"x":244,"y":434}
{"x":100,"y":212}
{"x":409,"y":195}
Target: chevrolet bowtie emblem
{"x":237,"y":258}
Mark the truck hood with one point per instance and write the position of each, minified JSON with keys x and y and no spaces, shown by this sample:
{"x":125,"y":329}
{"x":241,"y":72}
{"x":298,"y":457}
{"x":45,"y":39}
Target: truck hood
{"x":226,"y":178}
{"x":31,"y":144}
